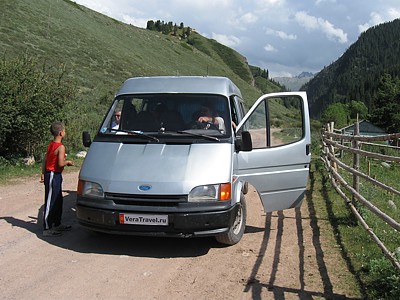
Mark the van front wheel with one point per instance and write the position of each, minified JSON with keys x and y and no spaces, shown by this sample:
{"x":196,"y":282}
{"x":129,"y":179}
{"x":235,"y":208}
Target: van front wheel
{"x":236,"y":231}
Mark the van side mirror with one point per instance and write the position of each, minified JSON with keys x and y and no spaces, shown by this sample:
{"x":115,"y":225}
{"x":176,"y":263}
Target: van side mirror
{"x":86,"y":139}
{"x":244,"y":143}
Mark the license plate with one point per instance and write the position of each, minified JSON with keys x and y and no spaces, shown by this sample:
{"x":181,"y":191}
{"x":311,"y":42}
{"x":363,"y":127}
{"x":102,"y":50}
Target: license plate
{"x":143,"y":219}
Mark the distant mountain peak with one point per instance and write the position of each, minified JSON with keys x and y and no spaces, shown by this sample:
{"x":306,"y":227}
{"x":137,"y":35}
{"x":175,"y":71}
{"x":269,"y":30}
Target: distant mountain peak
{"x":305,"y":74}
{"x":294,"y":83}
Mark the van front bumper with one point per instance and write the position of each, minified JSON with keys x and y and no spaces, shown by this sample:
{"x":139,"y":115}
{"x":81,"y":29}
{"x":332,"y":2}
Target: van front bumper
{"x":182,"y":224}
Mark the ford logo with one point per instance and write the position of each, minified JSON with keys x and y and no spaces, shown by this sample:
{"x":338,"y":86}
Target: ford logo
{"x":144,"y":187}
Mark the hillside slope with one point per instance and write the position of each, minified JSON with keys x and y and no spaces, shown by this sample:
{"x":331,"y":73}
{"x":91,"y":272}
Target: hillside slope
{"x":357,"y":73}
{"x":102,"y":52}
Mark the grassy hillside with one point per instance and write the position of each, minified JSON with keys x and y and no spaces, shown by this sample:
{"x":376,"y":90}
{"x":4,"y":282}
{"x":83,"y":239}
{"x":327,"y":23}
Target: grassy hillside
{"x":101,"y":52}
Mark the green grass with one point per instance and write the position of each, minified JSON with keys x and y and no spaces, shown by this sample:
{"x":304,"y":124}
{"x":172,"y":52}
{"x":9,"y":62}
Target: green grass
{"x":334,"y":221}
{"x":102,"y":52}
{"x":16,"y":170}
{"x":377,"y":277}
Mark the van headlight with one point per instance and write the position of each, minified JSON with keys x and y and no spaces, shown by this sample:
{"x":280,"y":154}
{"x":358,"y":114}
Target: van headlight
{"x":90,"y":189}
{"x":211,"y":192}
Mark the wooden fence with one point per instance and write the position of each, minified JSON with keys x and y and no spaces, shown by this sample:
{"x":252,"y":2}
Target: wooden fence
{"x":335,"y":146}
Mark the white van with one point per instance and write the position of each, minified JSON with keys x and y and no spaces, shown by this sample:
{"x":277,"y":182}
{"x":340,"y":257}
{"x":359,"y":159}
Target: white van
{"x":173,"y":156}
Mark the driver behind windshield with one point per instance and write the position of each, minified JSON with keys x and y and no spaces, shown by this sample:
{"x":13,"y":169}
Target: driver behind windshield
{"x":208,"y":116}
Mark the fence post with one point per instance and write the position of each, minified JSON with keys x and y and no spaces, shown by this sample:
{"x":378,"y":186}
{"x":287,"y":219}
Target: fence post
{"x":356,"y":159}
{"x":331,"y":125}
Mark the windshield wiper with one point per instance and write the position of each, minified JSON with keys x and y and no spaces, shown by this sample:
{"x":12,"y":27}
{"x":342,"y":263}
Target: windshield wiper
{"x":138,"y":133}
{"x":209,"y":137}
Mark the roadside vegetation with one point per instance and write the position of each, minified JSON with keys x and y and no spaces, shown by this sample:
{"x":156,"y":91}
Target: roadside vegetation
{"x":377,"y":277}
{"x":380,"y":278}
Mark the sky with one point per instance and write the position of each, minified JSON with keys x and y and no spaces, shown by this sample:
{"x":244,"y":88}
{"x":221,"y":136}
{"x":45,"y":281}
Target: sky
{"x":285,"y":37}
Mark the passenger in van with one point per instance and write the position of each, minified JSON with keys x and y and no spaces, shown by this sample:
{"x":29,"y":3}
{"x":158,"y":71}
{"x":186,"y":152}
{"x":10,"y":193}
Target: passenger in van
{"x":117,"y":119}
{"x":208,"y":116}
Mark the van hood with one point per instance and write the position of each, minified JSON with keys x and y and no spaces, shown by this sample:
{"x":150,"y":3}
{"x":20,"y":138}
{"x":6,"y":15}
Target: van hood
{"x":157,"y":168}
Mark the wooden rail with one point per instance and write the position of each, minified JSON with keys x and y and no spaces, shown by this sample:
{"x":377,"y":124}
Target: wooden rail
{"x":333,"y":145}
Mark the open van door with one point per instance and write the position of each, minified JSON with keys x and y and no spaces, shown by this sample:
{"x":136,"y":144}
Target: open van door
{"x":278,"y":164}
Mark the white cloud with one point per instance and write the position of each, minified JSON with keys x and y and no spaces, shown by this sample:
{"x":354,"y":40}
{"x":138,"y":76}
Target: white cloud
{"x":270,"y":48}
{"x":281,"y":34}
{"x":314,"y":23}
{"x":393,"y":13}
{"x":97,"y":6}
{"x":138,"y":22}
{"x":239,"y":21}
{"x":199,"y":5}
{"x":306,"y":20}
{"x":227,"y":40}
{"x":378,"y":18}
{"x":375,"y":19}
{"x":248,"y":18}
{"x":317,"y":2}
{"x":270,"y":2}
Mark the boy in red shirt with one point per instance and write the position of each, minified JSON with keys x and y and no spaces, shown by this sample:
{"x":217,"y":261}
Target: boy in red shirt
{"x":52,"y":167}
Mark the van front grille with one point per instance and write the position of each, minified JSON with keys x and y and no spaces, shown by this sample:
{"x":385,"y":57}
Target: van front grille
{"x":146,"y":200}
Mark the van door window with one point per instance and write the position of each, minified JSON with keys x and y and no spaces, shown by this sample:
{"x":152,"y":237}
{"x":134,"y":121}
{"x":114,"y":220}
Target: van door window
{"x":278,"y":165}
{"x":276,"y":121}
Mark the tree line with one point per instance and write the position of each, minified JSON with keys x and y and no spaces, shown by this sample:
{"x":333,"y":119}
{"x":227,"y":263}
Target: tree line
{"x":169,"y":28}
{"x":383,"y":112}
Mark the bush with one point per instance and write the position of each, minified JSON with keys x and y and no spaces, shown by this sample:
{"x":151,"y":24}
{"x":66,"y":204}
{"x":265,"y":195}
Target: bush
{"x":338,"y":113}
{"x":32,"y":97}
{"x":385,"y":281}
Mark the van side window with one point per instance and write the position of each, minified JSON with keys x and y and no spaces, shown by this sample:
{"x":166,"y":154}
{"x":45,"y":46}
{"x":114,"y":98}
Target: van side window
{"x":276,"y":122}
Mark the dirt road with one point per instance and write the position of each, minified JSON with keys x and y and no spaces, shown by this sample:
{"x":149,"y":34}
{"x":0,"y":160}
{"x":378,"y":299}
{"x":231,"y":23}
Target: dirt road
{"x":281,"y":256}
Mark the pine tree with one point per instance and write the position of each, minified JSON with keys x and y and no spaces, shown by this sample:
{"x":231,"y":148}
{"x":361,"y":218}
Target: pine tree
{"x":150,"y":25}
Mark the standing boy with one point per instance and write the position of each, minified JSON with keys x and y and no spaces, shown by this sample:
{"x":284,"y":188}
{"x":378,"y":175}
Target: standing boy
{"x":52,"y":167}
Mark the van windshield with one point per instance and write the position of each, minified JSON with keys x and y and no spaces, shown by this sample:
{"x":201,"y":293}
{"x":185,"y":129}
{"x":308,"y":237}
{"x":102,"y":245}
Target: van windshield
{"x":169,"y":113}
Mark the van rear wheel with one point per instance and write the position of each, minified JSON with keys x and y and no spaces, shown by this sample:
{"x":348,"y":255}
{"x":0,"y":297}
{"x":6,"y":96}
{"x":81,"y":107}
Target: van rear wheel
{"x":236,"y":231}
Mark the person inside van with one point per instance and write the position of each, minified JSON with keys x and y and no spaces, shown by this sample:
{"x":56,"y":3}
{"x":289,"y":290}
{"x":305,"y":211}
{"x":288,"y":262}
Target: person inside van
{"x":117,"y":119}
{"x":208,"y":116}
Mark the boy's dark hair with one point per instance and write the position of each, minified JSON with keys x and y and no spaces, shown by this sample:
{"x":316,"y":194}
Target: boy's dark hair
{"x":56,"y":128}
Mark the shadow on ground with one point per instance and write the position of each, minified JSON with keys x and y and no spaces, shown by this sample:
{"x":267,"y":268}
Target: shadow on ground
{"x":85,"y":241}
{"x":255,"y":287}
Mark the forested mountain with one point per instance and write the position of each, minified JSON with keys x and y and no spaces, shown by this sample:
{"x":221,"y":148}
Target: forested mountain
{"x":357,"y":75}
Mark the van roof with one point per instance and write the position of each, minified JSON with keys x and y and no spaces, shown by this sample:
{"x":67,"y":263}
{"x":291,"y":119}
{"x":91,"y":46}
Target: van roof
{"x":179,"y":84}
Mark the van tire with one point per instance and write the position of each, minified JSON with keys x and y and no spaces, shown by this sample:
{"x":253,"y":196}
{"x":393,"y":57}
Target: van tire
{"x":245,"y":188}
{"x":236,"y":231}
